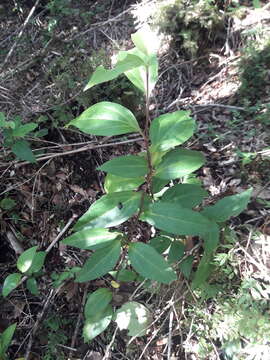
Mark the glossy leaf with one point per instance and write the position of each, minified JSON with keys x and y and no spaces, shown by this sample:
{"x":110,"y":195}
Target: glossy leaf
{"x":94,"y":326}
{"x":102,"y":75}
{"x":160,"y":243}
{"x":178,"y":163}
{"x":97,"y":302}
{"x":133,"y":317}
{"x":156,"y":156}
{"x":170,"y":130}
{"x":106,"y":119}
{"x":91,"y":239}
{"x":6,"y":338}
{"x":10,"y":283}
{"x":129,"y":166}
{"x":176,"y":252}
{"x":115,"y":183}
{"x":146,"y":41}
{"x":31,"y":285}
{"x":124,"y":275}
{"x":22,"y":150}
{"x":149,"y":263}
{"x":187,"y":195}
{"x":158,"y":184}
{"x":192,"y":179}
{"x":37,"y":262}
{"x":25,"y":260}
{"x":100,"y":263}
{"x":152,"y":72}
{"x":110,"y":210}
{"x":228,"y":206}
{"x":175,"y":219}
{"x":138,"y":75}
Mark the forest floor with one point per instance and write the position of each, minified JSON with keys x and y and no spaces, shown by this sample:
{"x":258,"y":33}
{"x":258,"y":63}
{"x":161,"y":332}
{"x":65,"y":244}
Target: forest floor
{"x":45,"y":63}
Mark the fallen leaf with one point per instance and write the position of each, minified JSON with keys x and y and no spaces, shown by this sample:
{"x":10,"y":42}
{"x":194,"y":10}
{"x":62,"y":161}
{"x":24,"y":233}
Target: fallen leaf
{"x":79,"y":190}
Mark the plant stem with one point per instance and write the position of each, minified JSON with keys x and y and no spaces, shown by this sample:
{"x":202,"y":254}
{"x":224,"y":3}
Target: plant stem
{"x":146,"y":133}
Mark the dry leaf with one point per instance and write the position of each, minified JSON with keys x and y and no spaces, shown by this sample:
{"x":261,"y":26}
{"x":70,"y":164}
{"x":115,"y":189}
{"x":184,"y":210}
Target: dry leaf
{"x":18,"y":308}
{"x":15,"y":243}
{"x":79,"y":190}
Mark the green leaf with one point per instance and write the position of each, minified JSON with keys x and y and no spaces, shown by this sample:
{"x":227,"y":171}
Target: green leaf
{"x":124,"y":275}
{"x":25,"y":260}
{"x":2,"y":119}
{"x":170,"y":130}
{"x":31,"y":285}
{"x":100,"y":263}
{"x":149,"y":263}
{"x":134,"y":317}
{"x":175,"y":219}
{"x":211,"y":239}
{"x":102,"y":75}
{"x":41,"y":133}
{"x":110,"y":210}
{"x":97,"y":302}
{"x":23,"y":130}
{"x":257,"y":4}
{"x":192,"y":179}
{"x":186,"y":266}
{"x":22,"y":150}
{"x":187,"y":195}
{"x":160,"y":243}
{"x":158,"y":184}
{"x":116,"y":183}
{"x":7,"y":204}
{"x":228,"y":206}
{"x":204,"y":270}
{"x":176,"y":252}
{"x":96,"y":325}
{"x":60,"y":278}
{"x":152,"y":72}
{"x":146,"y":41}
{"x":91,"y":239}
{"x":10,"y":283}
{"x":138,"y":75}
{"x":6,"y":338}
{"x":178,"y":163}
{"x":156,"y":156}
{"x":37,"y":262}
{"x":128,"y":166}
{"x":106,"y":119}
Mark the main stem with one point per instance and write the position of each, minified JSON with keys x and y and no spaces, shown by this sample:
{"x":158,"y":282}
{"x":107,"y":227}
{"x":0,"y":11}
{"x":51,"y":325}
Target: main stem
{"x":146,"y":134}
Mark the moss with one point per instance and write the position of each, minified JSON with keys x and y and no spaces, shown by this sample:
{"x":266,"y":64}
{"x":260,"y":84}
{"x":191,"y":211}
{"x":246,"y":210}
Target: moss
{"x":255,"y":76}
{"x":192,"y":24}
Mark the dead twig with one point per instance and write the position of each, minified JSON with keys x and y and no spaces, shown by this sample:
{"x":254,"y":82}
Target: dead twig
{"x":62,"y":232}
{"x":107,"y":352}
{"x":169,"y":350}
{"x":231,"y":107}
{"x":100,"y":23}
{"x":38,"y":321}
{"x":20,"y":33}
{"x":74,"y":337}
{"x":84,"y":148}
